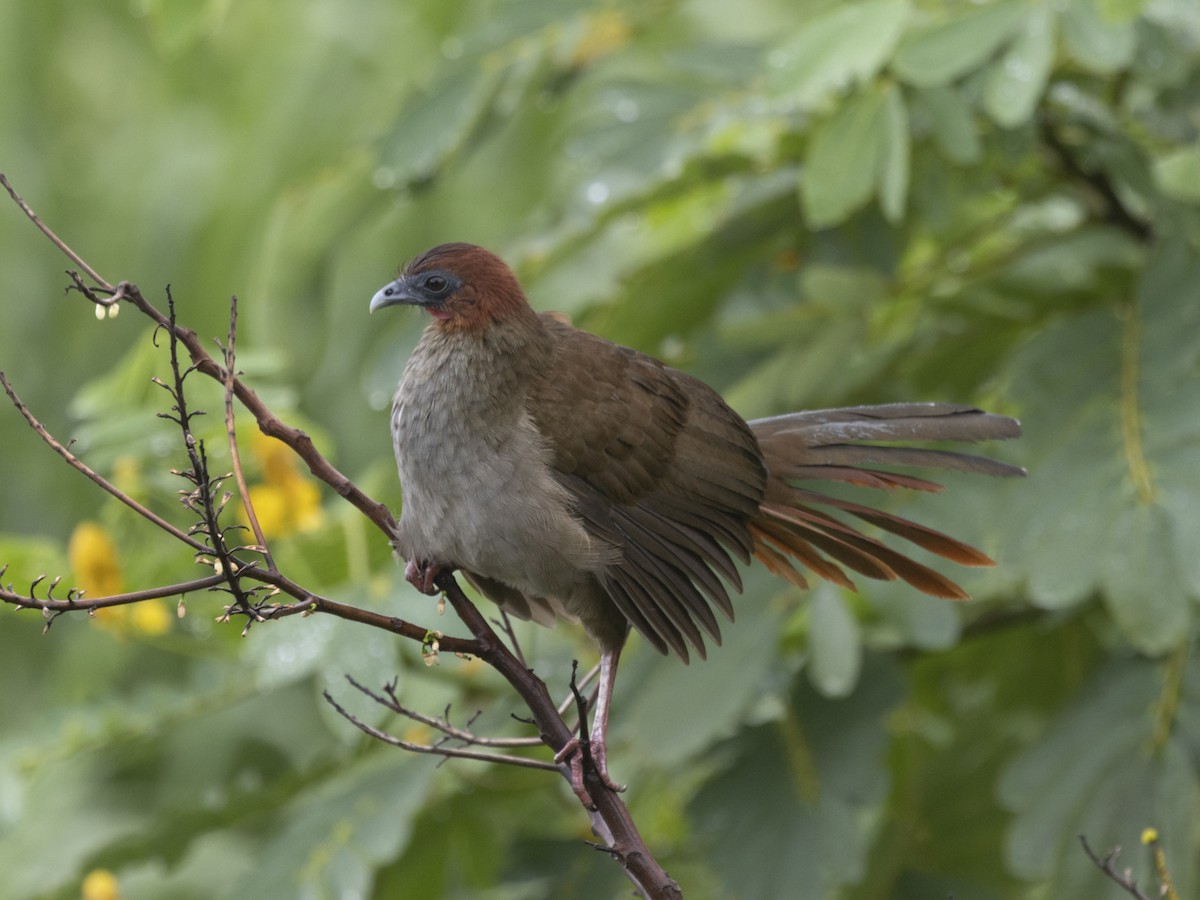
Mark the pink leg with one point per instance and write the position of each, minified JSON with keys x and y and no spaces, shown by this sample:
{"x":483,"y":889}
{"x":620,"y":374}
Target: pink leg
{"x":598,"y":743}
{"x":422,"y":574}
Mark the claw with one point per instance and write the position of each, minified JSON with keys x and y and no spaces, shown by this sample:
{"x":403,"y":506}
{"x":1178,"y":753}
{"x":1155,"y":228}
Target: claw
{"x":421,"y":575}
{"x":596,"y":747}
{"x":573,"y":753}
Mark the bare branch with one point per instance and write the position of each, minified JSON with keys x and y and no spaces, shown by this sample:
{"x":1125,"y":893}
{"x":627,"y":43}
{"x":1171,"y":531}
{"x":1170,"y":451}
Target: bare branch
{"x":202,"y":362}
{"x":442,"y":723}
{"x":231,"y":430}
{"x":449,"y":752}
{"x":54,"y":238}
{"x":581,"y":710}
{"x":76,"y":463}
{"x":202,"y":499}
{"x":611,"y":819}
{"x":587,"y":679}
{"x":507,"y":627}
{"x":101,"y":296}
{"x":309,"y":603}
{"x":263,"y":610}
{"x":269,"y":423}
{"x":1107,"y":866}
{"x":77,"y":602}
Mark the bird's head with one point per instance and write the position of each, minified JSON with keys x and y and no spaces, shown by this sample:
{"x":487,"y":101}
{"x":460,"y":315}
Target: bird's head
{"x":462,"y":286}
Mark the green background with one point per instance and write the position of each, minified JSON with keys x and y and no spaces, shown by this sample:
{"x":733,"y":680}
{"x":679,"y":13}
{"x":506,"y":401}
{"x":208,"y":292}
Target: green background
{"x":806,"y":204}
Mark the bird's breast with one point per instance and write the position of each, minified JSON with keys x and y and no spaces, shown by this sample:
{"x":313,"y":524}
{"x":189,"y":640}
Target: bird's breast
{"x":478,"y":488}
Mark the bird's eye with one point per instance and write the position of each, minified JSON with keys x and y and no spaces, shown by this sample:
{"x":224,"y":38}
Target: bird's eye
{"x":436,"y":284}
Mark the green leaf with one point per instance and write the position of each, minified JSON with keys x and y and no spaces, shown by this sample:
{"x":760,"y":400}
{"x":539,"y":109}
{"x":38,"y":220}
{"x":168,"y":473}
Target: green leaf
{"x":844,"y":46}
{"x":1113,"y":443}
{"x":1152,"y":603}
{"x":1016,"y":81}
{"x":952,"y":121}
{"x":30,"y":557}
{"x":894,"y":170}
{"x":335,"y":836}
{"x":909,"y":619}
{"x":804,"y":793}
{"x":1120,"y":10}
{"x":211,"y":867}
{"x":176,"y":27}
{"x":970,"y":710}
{"x":1098,"y":772}
{"x":1178,"y":174}
{"x":436,"y":124}
{"x":125,"y":387}
{"x":707,"y":239}
{"x":1097,"y":42}
{"x":812,"y":352}
{"x":78,"y":801}
{"x":841,"y":288}
{"x":944,"y":51}
{"x":834,"y":643}
{"x":843,"y":160}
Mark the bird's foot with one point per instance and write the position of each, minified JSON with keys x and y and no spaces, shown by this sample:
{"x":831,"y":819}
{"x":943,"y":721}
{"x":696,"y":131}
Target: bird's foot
{"x":573,"y":753}
{"x":421,"y":575}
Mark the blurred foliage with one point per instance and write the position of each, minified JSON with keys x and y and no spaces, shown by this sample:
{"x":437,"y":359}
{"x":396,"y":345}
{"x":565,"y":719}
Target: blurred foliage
{"x":805,"y":203}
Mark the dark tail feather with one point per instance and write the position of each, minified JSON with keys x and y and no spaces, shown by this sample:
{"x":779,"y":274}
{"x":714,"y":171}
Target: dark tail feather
{"x":791,"y":527}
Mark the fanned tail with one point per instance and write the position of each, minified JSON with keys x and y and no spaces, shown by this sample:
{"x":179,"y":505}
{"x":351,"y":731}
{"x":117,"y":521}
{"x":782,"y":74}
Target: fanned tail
{"x":795,"y":525}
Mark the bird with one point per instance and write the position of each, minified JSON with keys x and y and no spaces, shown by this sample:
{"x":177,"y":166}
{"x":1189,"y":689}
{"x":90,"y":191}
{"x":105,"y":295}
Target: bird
{"x":568,"y":477}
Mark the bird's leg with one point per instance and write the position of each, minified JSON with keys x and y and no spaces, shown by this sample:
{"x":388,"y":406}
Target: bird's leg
{"x":421,"y":574}
{"x":573,"y":751}
{"x":608,"y":676}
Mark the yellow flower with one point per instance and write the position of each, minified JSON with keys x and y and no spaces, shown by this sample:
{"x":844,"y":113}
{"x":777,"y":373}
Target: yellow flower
{"x":305,"y":504}
{"x":97,"y":570}
{"x":100,"y":884}
{"x":271,"y":506}
{"x":277,"y":460}
{"x":286,"y":501}
{"x":93,"y":558}
{"x":149,"y":617}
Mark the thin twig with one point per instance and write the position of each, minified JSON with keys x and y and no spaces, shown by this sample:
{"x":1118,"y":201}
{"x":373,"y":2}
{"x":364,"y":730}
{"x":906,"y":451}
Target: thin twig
{"x":93,"y":293}
{"x":231,"y":430}
{"x":79,"y":465}
{"x":309,"y":603}
{"x":80,"y":603}
{"x":54,"y":238}
{"x":306,"y":603}
{"x":205,"y":486}
{"x":443,"y":725}
{"x":569,"y":700}
{"x":1122,"y":879}
{"x":507,"y":627}
{"x":449,"y":752}
{"x":388,"y":700}
{"x":270,"y":424}
{"x":581,"y":710}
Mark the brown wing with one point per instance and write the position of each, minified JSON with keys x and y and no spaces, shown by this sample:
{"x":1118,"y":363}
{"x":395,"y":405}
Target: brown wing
{"x":661,"y":468}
